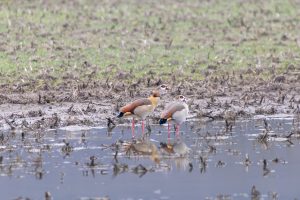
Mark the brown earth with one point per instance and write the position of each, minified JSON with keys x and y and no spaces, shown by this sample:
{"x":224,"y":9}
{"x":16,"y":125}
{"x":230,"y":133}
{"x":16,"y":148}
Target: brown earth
{"x":91,"y":103}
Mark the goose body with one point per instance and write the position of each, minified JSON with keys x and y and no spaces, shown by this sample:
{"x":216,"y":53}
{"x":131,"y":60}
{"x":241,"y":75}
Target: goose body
{"x":140,"y":108}
{"x":175,"y":111}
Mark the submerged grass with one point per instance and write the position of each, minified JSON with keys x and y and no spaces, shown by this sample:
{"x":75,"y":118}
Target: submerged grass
{"x":59,"y":37}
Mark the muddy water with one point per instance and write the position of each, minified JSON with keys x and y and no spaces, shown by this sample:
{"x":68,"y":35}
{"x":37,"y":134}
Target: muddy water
{"x":79,"y":163}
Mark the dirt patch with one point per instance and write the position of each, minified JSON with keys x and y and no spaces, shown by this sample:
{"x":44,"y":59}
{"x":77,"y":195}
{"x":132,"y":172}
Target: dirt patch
{"x":225,"y":97}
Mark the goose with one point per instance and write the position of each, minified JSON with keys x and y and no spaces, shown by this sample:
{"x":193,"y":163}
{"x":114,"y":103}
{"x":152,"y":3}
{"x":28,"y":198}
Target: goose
{"x":176,"y":111}
{"x":142,"y":108}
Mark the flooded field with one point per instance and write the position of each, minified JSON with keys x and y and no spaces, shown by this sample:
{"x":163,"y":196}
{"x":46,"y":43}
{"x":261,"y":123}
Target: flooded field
{"x":67,"y":67}
{"x":257,"y":158}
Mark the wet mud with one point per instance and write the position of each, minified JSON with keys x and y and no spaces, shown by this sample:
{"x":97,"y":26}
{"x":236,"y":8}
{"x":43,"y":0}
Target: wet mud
{"x":233,"y":95}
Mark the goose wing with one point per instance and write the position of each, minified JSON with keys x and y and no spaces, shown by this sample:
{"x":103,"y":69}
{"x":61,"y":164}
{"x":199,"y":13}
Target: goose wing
{"x":171,"y":109}
{"x":133,"y":105}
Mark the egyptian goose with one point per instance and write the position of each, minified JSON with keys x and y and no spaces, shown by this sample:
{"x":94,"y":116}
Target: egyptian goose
{"x":176,"y":111}
{"x":141,"y":108}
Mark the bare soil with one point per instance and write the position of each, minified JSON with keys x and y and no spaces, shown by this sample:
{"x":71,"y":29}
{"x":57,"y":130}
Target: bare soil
{"x":91,"y":103}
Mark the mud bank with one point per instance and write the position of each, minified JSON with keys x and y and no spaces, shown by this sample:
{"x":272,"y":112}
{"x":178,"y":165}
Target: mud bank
{"x":224,"y":97}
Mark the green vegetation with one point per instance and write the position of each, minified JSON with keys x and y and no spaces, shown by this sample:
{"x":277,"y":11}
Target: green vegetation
{"x":60,"y":37}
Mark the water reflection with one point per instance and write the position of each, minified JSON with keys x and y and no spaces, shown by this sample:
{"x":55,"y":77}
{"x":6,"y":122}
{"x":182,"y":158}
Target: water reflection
{"x":37,"y":164}
{"x":68,"y":157}
{"x":143,"y":147}
{"x":177,"y":148}
{"x":178,"y":153}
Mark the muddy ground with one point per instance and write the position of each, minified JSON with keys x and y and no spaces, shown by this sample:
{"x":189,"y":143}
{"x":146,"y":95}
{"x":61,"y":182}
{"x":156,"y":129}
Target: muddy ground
{"x":226,"y":97}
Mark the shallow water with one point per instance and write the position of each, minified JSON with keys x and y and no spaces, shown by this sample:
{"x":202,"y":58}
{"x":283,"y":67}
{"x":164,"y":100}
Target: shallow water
{"x":33,"y":164}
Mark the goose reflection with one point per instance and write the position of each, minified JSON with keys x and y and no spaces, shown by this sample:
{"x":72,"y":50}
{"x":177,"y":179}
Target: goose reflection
{"x":177,"y":152}
{"x":143,"y":147}
{"x":177,"y":148}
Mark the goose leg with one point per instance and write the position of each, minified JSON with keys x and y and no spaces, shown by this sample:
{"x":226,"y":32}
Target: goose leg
{"x":169,"y":134}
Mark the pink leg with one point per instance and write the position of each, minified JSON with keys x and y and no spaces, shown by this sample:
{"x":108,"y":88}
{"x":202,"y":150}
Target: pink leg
{"x":132,"y":128}
{"x":169,"y":134}
{"x":143,"y":127}
{"x":177,"y":130}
